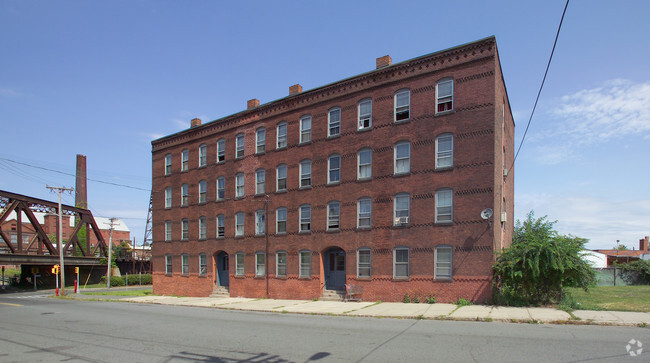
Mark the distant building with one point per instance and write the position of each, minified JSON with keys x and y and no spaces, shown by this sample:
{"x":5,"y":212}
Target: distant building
{"x":626,"y":256}
{"x":595,"y":259}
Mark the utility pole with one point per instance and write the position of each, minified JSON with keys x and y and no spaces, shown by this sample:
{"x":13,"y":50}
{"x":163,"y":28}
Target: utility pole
{"x":59,"y":240}
{"x":110,"y":254}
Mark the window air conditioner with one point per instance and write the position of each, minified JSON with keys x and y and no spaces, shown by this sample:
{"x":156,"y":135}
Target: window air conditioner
{"x":401,"y":221}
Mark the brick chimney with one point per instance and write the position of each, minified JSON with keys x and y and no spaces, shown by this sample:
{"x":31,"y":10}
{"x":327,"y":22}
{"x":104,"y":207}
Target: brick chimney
{"x":195,"y":122}
{"x":384,"y":61}
{"x":296,"y":88}
{"x":252,"y":103}
{"x":643,"y":243}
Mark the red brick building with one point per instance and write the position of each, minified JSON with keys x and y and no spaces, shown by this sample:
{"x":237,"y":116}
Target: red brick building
{"x":378,"y":180}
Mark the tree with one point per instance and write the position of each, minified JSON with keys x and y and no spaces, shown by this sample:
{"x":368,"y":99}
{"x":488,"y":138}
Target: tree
{"x":621,"y":247}
{"x":539,"y":264}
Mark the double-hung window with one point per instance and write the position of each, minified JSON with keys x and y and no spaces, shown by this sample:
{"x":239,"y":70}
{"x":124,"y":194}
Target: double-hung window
{"x":239,"y":185}
{"x":203,"y":264}
{"x":239,"y":264}
{"x":281,"y":178}
{"x":203,"y":155}
{"x":281,"y":136}
{"x":364,"y":161}
{"x":281,"y":220}
{"x":333,"y":215}
{"x":305,"y":173}
{"x":305,"y":218}
{"x":185,"y":229}
{"x":364,"y":213}
{"x":305,"y":129}
{"x":401,"y":209}
{"x":443,"y":262}
{"x":402,"y":105}
{"x":363,"y":262}
{"x":334,"y":169}
{"x":185,"y":160}
{"x":221,"y":188}
{"x":305,"y":264}
{"x":260,"y":140}
{"x":185,"y":264}
{"x":402,"y":157}
{"x":203,"y":191}
{"x":444,"y":206}
{"x":334,"y":122}
{"x":259,"y":222}
{"x":203,"y":227}
{"x":239,"y":224}
{"x":365,"y":114}
{"x":260,"y":177}
{"x":185,"y":195}
{"x":445,"y":95}
{"x":281,"y":264}
{"x":168,"y":164}
{"x":221,"y":150}
{"x":221,"y":226}
{"x":401,"y":263}
{"x":260,"y":264}
{"x":168,"y":230}
{"x":444,"y":151}
{"x":239,"y":146}
{"x":168,"y":197}
{"x":168,"y":264}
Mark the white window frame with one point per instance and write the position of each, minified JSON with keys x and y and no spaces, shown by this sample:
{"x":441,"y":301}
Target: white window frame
{"x":239,"y":264}
{"x":278,"y":177}
{"x":168,"y":231}
{"x":203,"y":191}
{"x":240,"y":181}
{"x":260,"y":180}
{"x":330,"y":170}
{"x":443,"y":155}
{"x":239,"y":224}
{"x":396,"y":263}
{"x":203,"y":227}
{"x":281,"y":267}
{"x":240,"y":141}
{"x":333,"y":220}
{"x":281,"y":135}
{"x":203,"y":155}
{"x":364,"y":264}
{"x":168,"y":164}
{"x":305,"y":218}
{"x":364,"y":215}
{"x":185,"y":195}
{"x":365,"y":165}
{"x":203,"y":264}
{"x":260,"y":140}
{"x":221,"y":226}
{"x":305,"y":129}
{"x":185,"y":229}
{"x":443,"y":270}
{"x":168,"y":264}
{"x":185,"y":264}
{"x":334,"y":122}
{"x":168,"y":197}
{"x":399,"y":214}
{"x":185,"y":160}
{"x":260,"y":225}
{"x":278,"y":220}
{"x":260,"y":264}
{"x":304,"y":265}
{"x":221,"y":189}
{"x":445,"y":210}
{"x":397,"y":159}
{"x":305,"y":174}
{"x":402,"y":108}
{"x":221,"y":151}
{"x":365,"y":118}
{"x":447,"y":98}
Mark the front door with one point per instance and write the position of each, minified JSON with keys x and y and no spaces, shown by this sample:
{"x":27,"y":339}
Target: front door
{"x":222,"y":269}
{"x":335,"y":273}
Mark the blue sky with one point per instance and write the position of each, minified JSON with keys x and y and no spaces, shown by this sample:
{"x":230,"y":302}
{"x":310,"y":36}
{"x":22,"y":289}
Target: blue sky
{"x":105,"y":78}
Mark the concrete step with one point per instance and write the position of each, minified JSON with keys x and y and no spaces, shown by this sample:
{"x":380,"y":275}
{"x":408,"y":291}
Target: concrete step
{"x":220,"y":291}
{"x":333,"y":295}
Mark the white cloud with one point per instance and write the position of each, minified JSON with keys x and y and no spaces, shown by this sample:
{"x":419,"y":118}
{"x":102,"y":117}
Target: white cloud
{"x":9,"y":92}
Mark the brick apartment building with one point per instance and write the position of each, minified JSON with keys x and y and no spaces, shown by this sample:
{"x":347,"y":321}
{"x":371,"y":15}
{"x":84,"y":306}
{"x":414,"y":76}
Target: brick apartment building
{"x":378,"y":180}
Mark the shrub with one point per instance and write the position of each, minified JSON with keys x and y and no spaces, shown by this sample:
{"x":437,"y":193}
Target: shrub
{"x":407,"y":298}
{"x":430,"y":299}
{"x":463,"y":302}
{"x":133,"y":280}
{"x":636,"y":272}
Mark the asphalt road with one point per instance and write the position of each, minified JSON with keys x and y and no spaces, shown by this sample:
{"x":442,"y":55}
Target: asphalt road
{"x":34,"y":329}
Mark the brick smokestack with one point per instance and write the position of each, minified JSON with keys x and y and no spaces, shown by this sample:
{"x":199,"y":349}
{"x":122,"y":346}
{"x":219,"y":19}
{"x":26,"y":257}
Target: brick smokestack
{"x":643,"y":243}
{"x":81,"y":187}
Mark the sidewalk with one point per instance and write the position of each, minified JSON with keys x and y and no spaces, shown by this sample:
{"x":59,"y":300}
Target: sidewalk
{"x":402,"y":310}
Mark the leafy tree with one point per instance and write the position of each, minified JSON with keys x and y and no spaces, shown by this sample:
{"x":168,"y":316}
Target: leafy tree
{"x":621,"y":247}
{"x":635,"y":272}
{"x":539,"y":264}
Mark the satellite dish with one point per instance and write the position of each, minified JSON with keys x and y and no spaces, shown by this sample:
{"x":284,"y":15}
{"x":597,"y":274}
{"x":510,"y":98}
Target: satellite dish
{"x":486,"y":213}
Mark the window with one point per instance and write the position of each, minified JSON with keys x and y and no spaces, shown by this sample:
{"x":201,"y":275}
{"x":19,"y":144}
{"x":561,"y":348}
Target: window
{"x":444,"y":206}
{"x":260,"y":177}
{"x":334,"y":169}
{"x":401,"y":209}
{"x":259,"y":222}
{"x":239,"y":146}
{"x":365,"y":114}
{"x":203,"y":191}
{"x":443,"y":258}
{"x":445,"y":95}
{"x":444,"y":151}
{"x":185,"y":264}
{"x":305,"y":218}
{"x":239,"y":185}
{"x":364,"y":161}
{"x":401,"y":263}
{"x":402,"y":157}
{"x":221,"y":188}
{"x":168,"y":264}
{"x":185,"y":159}
{"x":168,"y":197}
{"x":363,"y":213}
{"x":203,"y":227}
{"x":282,"y":135}
{"x":281,"y":175}
{"x":168,"y":230}
{"x":334,"y":122}
{"x":221,"y":150}
{"x":305,"y":129}
{"x":168,"y":164}
{"x":260,"y":268}
{"x":363,"y":262}
{"x":305,"y":173}
{"x":221,"y":226}
{"x":203,"y":155}
{"x":402,"y":105}
{"x":260,"y":140}
{"x":239,"y":224}
{"x":333,"y":215}
{"x":185,"y":195}
{"x":281,"y":264}
{"x":203,"y":264}
{"x":281,"y":220}
{"x":305,"y":264}
{"x":185,"y":229}
{"x":239,"y":264}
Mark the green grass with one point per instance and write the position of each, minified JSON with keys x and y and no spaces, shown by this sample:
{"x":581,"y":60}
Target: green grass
{"x":616,"y":298}
{"x":146,"y":292}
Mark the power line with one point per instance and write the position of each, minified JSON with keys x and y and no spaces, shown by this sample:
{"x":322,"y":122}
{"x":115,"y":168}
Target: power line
{"x":548,"y":65}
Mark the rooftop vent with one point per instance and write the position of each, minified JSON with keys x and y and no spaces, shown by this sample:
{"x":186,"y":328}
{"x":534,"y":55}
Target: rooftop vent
{"x":296,"y":88}
{"x":252,"y":103}
{"x":195,"y":122}
{"x":384,"y":61}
